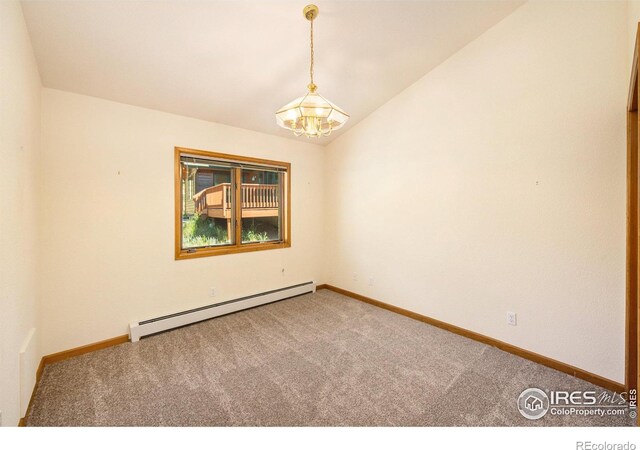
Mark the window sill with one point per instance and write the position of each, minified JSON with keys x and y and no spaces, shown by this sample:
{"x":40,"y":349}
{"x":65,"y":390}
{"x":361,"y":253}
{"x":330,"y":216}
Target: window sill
{"x":230,"y":249}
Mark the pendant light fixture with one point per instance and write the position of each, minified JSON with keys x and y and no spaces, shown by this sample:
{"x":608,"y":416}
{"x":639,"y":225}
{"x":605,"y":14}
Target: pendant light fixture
{"x":311,"y":114}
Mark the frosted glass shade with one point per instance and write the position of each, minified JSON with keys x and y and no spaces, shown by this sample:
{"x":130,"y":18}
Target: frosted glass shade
{"x":311,"y":115}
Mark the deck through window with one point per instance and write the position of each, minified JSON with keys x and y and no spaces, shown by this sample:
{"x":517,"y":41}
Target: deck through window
{"x":229,"y":204}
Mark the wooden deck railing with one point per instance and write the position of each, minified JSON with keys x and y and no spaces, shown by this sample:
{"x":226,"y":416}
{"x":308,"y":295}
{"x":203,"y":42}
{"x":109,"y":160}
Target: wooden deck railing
{"x":254,"y":196}
{"x":218,"y":196}
{"x":259,"y":196}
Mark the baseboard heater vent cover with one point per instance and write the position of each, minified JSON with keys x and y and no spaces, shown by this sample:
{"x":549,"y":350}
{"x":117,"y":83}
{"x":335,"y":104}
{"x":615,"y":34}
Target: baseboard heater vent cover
{"x":168,"y":322}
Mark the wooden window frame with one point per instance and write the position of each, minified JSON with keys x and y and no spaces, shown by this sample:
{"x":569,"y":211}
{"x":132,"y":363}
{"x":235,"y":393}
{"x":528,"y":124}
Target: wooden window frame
{"x":237,"y":246}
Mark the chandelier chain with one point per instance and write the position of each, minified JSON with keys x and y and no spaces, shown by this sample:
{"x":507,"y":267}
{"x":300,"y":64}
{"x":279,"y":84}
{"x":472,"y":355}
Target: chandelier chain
{"x":311,"y":67}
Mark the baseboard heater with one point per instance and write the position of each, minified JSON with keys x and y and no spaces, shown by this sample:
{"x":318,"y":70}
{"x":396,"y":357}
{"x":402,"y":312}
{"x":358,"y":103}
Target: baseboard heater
{"x":163,"y":323}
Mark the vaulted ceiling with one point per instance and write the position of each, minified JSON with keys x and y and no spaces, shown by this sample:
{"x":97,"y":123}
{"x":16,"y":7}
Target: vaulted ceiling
{"x":236,"y":62}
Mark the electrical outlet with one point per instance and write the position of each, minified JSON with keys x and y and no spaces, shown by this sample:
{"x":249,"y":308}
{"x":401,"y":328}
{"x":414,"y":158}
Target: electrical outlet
{"x":212,"y":292}
{"x":355,"y":277}
{"x":512,"y":319}
{"x":370,"y":281}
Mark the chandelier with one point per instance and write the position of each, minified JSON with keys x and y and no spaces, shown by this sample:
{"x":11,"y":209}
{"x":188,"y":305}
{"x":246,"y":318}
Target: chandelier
{"x":312,"y":114}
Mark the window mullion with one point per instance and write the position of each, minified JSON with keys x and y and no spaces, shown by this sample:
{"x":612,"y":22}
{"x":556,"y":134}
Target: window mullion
{"x":237,"y":177}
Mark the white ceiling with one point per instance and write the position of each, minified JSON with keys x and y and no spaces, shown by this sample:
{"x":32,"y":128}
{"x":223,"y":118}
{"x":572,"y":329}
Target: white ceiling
{"x":236,"y":62}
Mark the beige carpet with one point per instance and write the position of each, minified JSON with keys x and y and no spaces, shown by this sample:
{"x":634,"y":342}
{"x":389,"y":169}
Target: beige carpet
{"x":320,"y":359}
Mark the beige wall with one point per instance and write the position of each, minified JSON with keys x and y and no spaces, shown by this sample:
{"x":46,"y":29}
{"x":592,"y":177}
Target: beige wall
{"x":108,"y":226}
{"x":19,"y":142}
{"x":496,"y":183}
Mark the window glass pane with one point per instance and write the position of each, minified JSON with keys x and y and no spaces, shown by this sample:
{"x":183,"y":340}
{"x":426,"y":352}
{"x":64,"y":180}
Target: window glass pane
{"x":207,"y":204}
{"x":261,"y":205}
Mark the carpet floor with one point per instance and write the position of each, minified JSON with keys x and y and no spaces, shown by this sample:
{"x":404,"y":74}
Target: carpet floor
{"x":317,"y":360}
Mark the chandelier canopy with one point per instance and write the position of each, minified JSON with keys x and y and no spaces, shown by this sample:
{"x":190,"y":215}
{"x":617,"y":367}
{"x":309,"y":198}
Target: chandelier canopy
{"x":312,"y":114}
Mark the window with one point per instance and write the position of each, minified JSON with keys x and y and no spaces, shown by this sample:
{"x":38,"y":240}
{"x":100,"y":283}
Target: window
{"x":230,"y":204}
